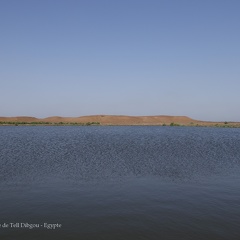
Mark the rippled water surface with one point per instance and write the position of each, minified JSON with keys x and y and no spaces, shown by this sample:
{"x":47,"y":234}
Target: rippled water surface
{"x":120,"y":183}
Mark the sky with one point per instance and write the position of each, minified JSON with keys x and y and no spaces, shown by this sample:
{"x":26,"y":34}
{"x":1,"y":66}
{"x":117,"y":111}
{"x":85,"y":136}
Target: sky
{"x":128,"y":57}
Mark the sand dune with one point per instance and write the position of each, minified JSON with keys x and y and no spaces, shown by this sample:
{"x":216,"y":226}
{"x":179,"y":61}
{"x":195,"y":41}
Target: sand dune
{"x":105,"y":119}
{"x":19,"y":119}
{"x":114,"y":120}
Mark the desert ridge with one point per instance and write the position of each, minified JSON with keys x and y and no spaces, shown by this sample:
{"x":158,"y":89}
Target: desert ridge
{"x":116,"y":120}
{"x":105,"y":119}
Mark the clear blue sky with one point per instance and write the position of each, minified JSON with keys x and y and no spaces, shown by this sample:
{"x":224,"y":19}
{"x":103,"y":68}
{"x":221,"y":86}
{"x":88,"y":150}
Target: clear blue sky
{"x":130,"y":57}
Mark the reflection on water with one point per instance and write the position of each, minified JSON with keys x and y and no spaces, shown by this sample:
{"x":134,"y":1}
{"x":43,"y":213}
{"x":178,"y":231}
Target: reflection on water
{"x":120,"y":182}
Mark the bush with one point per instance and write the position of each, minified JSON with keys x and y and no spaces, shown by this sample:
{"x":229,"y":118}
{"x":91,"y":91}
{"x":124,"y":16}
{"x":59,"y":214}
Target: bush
{"x":174,"y":124}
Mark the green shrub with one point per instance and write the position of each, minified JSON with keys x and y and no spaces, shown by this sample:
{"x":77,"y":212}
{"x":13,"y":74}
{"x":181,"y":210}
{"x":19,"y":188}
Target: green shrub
{"x":174,"y":124}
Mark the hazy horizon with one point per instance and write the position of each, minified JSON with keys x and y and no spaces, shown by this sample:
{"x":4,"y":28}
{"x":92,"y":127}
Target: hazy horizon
{"x":138,"y":58}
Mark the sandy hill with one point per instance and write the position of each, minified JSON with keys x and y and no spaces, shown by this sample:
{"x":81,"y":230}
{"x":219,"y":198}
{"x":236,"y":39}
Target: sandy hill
{"x":19,"y":119}
{"x":117,"y":120}
{"x":105,"y":119}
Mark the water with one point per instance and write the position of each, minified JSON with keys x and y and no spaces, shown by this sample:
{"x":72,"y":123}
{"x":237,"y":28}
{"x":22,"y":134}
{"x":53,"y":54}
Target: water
{"x":119,"y":183}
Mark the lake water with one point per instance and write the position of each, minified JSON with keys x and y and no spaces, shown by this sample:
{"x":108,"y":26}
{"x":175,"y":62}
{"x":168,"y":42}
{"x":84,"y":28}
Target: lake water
{"x":113,"y":183}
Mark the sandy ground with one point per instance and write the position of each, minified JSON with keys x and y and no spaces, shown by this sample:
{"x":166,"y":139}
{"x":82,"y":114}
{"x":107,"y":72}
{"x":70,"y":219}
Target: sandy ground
{"x":117,"y":120}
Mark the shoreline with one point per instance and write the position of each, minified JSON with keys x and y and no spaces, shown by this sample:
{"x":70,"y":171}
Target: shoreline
{"x":88,"y":124}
